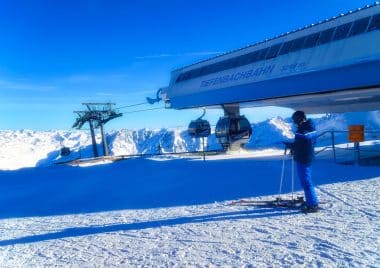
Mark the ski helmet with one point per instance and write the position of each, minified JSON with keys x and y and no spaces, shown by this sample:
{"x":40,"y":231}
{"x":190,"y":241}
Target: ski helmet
{"x":298,"y":117}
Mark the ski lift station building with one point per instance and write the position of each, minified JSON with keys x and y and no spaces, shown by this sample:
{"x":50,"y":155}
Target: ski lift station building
{"x":330,"y":66}
{"x":326,"y":67}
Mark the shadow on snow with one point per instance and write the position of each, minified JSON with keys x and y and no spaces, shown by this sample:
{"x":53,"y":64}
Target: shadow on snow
{"x":83,"y":231}
{"x":145,"y":183}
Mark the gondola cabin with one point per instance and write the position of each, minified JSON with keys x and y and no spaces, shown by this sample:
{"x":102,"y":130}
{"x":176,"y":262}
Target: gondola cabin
{"x":65,"y":151}
{"x":199,"y":128}
{"x":233,"y":132}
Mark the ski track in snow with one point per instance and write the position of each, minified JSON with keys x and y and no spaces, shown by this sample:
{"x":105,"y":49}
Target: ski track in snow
{"x":344,"y":233}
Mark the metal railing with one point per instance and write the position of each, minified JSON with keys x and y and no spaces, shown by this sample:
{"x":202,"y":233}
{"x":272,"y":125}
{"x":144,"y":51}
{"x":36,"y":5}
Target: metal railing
{"x":202,"y":154}
{"x":358,"y":151}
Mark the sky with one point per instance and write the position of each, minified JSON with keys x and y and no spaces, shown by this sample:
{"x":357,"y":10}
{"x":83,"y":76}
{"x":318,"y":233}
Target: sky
{"x":55,"y":55}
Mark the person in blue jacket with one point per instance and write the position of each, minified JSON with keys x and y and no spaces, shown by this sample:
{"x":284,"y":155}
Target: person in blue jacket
{"x":303,"y":153}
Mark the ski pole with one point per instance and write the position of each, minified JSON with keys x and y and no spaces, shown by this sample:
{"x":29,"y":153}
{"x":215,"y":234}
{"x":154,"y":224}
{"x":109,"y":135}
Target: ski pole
{"x":292,"y":178}
{"x":282,"y":175}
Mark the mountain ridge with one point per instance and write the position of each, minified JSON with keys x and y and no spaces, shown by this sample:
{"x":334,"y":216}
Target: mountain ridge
{"x":28,"y":148}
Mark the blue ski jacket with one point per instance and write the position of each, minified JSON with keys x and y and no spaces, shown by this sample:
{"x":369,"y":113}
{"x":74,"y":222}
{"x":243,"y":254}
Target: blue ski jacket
{"x":304,"y":140}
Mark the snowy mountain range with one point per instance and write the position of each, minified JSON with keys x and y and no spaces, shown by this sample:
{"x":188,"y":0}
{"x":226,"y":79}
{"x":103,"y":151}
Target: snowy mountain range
{"x":27,"y":148}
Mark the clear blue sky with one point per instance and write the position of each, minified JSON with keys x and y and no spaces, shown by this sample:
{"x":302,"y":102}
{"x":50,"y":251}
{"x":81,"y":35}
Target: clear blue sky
{"x":56,"y":54}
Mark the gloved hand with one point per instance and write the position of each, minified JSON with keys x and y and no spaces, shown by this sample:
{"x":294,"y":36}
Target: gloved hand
{"x":289,"y":145}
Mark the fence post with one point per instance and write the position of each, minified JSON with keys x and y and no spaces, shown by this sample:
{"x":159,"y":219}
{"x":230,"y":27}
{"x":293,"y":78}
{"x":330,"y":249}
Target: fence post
{"x":356,"y":135}
{"x":357,"y":153}
{"x":333,"y":145}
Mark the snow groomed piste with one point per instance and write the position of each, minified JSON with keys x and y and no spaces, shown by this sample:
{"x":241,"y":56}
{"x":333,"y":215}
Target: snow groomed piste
{"x":144,"y":212}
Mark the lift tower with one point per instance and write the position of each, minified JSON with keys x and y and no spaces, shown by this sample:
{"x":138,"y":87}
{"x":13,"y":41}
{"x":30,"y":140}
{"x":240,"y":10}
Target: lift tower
{"x":97,"y":115}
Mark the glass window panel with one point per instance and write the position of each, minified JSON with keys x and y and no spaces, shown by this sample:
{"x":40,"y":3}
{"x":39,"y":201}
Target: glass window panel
{"x":272,"y":53}
{"x":286,"y":48}
{"x":237,"y":61}
{"x":298,"y":44}
{"x":311,"y":40}
{"x":219,"y":67}
{"x":187,"y":75}
{"x":359,"y":26}
{"x":263,"y":52}
{"x":207,"y":70}
{"x":342,"y":31}
{"x":254,"y":56}
{"x":228,"y":64}
{"x":325,"y":36}
{"x":180,"y":78}
{"x":375,"y":23}
{"x":196,"y":73}
{"x":243,"y":60}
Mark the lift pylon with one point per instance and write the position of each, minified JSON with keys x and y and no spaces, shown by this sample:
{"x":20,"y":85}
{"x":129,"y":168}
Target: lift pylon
{"x":97,"y":115}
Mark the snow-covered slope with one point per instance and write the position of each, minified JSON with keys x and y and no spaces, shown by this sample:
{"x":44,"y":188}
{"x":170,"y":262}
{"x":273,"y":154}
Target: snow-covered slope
{"x":142,"y":212}
{"x":28,"y":148}
{"x":25,"y":148}
{"x":270,"y":133}
{"x":176,"y":213}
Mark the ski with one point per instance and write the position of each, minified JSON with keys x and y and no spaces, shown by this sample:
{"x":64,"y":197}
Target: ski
{"x":296,"y":203}
{"x":278,"y":202}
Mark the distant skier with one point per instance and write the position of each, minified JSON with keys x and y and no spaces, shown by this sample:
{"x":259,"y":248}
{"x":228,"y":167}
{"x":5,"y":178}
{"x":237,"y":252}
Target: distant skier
{"x":303,"y":150}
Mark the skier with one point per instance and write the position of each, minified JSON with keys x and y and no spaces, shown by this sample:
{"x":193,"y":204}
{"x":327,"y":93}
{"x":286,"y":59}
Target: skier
{"x":303,"y":149}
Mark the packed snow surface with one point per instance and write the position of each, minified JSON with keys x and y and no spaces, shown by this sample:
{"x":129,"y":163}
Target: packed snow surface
{"x":176,"y":211}
{"x":143,"y":212}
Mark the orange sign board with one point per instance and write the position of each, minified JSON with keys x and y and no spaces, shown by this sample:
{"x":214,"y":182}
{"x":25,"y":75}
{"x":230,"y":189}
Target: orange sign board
{"x":356,"y":133}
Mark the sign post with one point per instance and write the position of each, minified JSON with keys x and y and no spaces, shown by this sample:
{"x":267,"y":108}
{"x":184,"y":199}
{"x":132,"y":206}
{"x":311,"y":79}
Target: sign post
{"x":356,"y":135}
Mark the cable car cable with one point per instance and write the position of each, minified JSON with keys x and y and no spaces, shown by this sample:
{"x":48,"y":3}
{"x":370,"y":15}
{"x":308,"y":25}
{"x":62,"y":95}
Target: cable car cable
{"x":137,"y":111}
{"x":132,"y":105}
